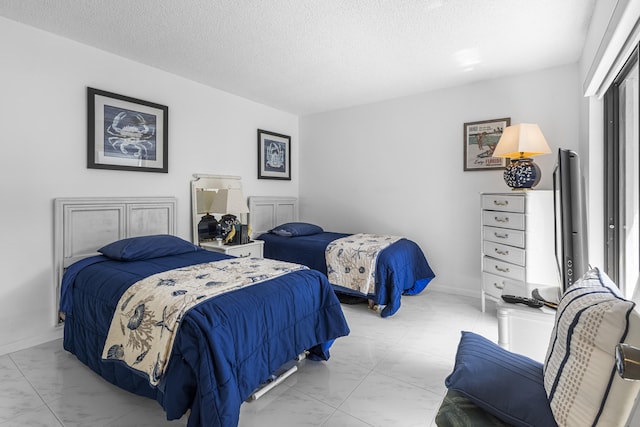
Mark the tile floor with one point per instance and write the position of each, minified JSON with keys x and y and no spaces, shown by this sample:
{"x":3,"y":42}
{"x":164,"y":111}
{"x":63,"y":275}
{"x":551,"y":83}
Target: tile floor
{"x":386,"y":372}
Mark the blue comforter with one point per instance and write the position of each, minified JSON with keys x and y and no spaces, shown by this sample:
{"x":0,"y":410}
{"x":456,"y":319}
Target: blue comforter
{"x":402,"y":268}
{"x":226,"y":346}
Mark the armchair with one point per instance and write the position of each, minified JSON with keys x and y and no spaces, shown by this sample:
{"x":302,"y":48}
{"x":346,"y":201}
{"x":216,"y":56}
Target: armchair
{"x":578,"y":384}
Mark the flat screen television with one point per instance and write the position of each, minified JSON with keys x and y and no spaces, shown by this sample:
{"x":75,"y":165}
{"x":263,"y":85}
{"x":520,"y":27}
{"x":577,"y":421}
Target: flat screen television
{"x":570,"y":211}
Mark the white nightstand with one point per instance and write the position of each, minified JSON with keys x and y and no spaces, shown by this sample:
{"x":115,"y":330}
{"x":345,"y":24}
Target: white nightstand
{"x":251,"y":249}
{"x":525,"y":330}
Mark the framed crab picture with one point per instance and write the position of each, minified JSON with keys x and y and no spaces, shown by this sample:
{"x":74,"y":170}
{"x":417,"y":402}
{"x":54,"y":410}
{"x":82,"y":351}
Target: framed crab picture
{"x":274,"y":155}
{"x":125,"y":133}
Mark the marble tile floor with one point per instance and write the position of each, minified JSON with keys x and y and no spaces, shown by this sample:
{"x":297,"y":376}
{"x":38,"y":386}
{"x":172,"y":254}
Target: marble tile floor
{"x":386,"y":372}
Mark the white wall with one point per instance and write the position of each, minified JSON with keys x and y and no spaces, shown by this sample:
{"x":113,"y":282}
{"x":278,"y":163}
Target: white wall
{"x":43,"y":81}
{"x":397,"y":166}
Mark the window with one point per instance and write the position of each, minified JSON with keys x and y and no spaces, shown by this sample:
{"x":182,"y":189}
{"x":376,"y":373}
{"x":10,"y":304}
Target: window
{"x":622,"y":177}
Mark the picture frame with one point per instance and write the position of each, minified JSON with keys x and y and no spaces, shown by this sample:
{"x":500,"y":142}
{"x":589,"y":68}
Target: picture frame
{"x":274,"y":155}
{"x":125,"y":133}
{"x":480,"y":139}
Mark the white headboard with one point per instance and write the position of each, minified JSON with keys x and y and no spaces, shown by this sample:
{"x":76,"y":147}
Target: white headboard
{"x":267,"y":212}
{"x":84,"y":225}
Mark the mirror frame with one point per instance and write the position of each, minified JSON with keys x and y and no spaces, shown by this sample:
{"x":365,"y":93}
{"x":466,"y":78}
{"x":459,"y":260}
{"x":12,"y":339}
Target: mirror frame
{"x":202,"y":183}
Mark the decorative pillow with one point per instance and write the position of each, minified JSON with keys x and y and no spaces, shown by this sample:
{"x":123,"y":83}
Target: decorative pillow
{"x":293,"y":229}
{"x":505,"y":384}
{"x":147,"y":247}
{"x":580,"y":375}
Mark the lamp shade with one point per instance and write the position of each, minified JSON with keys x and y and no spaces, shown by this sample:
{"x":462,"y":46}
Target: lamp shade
{"x":229,"y":201}
{"x":521,"y":140}
{"x":204,"y":198}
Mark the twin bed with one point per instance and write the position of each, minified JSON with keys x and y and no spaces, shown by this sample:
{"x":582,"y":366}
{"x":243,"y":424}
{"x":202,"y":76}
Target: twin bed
{"x":400,"y":268}
{"x":226,"y":347}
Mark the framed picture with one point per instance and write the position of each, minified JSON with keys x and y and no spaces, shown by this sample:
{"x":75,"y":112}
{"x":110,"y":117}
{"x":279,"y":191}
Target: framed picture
{"x":274,"y":155}
{"x":480,"y":139}
{"x":125,"y":133}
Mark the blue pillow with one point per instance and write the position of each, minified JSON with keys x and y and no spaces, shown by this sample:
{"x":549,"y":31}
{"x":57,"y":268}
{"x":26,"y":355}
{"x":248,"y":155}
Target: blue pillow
{"x":505,"y":384}
{"x":293,"y":229}
{"x":147,"y":247}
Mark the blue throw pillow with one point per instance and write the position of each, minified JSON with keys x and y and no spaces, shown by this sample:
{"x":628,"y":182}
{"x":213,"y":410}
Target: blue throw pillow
{"x":505,"y":384}
{"x":293,"y":229}
{"x":147,"y":247}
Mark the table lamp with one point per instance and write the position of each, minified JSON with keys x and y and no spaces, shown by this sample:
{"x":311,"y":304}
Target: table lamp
{"x":519,"y":143}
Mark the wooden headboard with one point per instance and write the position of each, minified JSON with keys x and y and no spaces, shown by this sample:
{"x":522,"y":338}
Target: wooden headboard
{"x":267,"y":212}
{"x":84,"y":225}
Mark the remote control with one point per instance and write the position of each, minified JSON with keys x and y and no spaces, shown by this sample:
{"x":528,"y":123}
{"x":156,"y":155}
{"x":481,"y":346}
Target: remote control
{"x":536,"y":295}
{"x":531,"y":302}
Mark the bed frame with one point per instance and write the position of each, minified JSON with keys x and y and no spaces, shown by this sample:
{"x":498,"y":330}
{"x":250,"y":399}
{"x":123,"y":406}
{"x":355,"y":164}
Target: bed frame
{"x":265,"y":212}
{"x":84,"y":225}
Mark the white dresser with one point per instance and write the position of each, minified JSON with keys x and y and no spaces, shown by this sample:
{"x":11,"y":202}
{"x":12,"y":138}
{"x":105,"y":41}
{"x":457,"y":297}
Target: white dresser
{"x":517,"y":243}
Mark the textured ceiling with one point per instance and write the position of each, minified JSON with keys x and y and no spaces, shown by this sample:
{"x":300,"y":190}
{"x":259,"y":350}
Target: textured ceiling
{"x":306,"y":56}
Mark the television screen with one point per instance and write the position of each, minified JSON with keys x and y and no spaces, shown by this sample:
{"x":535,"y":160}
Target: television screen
{"x":570,"y":218}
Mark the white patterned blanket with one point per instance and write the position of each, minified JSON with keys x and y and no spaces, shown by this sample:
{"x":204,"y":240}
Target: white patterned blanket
{"x":146,"y":320}
{"x":351,"y":261}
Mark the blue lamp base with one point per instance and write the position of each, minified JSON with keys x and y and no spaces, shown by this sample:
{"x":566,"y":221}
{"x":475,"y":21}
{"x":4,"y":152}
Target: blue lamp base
{"x":522,"y":174}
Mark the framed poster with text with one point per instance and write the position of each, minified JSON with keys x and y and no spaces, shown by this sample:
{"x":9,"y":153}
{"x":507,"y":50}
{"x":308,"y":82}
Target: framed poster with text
{"x":480,"y":139}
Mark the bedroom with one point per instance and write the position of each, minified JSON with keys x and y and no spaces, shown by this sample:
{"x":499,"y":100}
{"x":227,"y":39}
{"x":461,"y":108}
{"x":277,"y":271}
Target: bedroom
{"x":212,"y":131}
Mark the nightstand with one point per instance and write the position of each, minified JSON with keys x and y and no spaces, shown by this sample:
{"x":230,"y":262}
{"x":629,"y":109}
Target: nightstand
{"x":525,"y":330}
{"x":251,"y":249}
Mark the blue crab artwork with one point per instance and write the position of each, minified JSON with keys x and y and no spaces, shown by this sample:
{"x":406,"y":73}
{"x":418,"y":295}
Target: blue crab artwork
{"x":129,"y":134}
{"x":275,"y":155}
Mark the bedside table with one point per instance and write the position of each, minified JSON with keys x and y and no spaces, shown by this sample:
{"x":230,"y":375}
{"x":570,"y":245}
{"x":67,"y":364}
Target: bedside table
{"x":251,"y":249}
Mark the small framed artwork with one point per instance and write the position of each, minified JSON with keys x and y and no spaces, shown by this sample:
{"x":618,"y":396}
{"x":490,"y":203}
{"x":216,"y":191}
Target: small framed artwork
{"x":480,"y":139}
{"x":125,"y":133}
{"x":274,"y":155}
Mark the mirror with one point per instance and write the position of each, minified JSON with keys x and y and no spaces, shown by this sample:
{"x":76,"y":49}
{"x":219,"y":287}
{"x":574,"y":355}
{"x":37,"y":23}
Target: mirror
{"x":204,"y":190}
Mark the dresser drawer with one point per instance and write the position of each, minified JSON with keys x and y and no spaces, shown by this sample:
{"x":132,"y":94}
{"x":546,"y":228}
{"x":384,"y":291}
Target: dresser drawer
{"x":496,"y":286}
{"x":502,"y":268}
{"x":503,"y":219}
{"x":504,"y":236}
{"x":506,"y":253}
{"x":503,"y":202}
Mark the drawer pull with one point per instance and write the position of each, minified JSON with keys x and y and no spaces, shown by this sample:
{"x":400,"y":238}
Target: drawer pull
{"x":498,"y":285}
{"x":501,"y":218}
{"x":499,"y":252}
{"x":504,"y":270}
{"x":501,"y":202}
{"x":244,"y":256}
{"x":501,"y":235}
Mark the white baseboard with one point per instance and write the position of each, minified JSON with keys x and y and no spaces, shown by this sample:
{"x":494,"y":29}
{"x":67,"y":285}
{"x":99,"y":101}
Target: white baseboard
{"x":54,"y":334}
{"x":454,"y":291}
